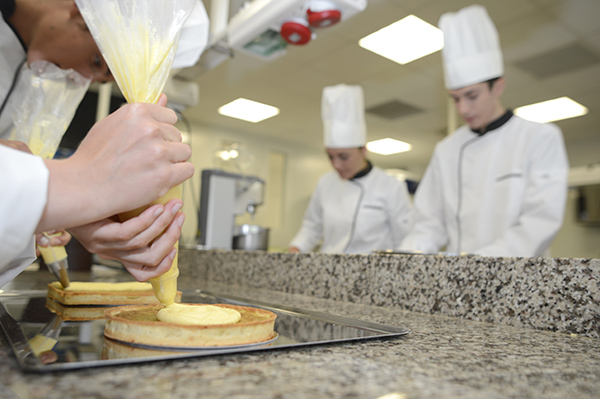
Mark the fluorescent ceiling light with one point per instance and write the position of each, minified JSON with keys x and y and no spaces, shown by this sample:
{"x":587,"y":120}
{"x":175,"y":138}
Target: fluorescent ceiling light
{"x":388,"y":146}
{"x":248,"y":110}
{"x":551,"y":110}
{"x":226,"y":155}
{"x":404,"y":41}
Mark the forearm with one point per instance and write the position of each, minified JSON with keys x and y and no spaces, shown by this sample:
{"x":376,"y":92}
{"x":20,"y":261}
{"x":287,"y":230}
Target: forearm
{"x":71,"y":200}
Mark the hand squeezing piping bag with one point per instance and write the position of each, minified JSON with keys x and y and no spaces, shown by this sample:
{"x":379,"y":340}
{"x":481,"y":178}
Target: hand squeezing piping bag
{"x":138,"y":39}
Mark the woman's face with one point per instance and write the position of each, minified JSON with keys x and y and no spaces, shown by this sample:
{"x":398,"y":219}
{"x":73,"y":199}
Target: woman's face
{"x":64,"y":40}
{"x":347,"y":161}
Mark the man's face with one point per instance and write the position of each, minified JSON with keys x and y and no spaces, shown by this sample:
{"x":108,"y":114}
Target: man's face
{"x":347,"y":161}
{"x":65,"y":41}
{"x":478,"y":104}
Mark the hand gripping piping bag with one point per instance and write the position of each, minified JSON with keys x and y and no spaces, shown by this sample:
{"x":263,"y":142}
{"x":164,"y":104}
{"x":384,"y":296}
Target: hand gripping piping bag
{"x":44,"y":103}
{"x":138,"y":39}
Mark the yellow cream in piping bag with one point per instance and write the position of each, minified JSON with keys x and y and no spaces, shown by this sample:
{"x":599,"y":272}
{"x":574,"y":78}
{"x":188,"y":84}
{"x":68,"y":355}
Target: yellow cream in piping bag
{"x":164,"y":286}
{"x":139,"y":47}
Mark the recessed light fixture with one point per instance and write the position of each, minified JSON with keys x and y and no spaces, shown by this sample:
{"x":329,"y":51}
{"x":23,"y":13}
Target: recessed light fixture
{"x":388,"y":146}
{"x":551,"y":110}
{"x":404,"y":41}
{"x":248,"y":110}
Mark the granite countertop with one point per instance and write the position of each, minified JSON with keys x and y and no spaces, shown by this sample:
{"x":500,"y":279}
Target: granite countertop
{"x":443,"y":357}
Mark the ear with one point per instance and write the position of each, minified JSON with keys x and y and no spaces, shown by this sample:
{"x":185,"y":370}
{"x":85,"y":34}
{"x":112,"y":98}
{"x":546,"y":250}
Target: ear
{"x":73,"y":10}
{"x":363,"y":151}
{"x":76,"y":16}
{"x":498,"y":88}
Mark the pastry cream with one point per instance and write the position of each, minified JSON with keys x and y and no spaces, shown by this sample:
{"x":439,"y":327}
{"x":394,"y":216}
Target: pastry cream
{"x":139,"y":55}
{"x":40,"y":344}
{"x":165,"y":286}
{"x":52,"y":254}
{"x":139,"y":324}
{"x":106,"y":287}
{"x":191,"y":315}
{"x":141,"y":61}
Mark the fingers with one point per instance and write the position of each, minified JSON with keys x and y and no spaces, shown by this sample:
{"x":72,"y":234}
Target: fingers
{"x":48,"y":357}
{"x":180,"y":172}
{"x":154,"y":254}
{"x":17,"y":145}
{"x":144,"y":273}
{"x":162,"y":100}
{"x":112,"y":239}
{"x":145,"y":228}
{"x":161,"y":113}
{"x":53,"y":238}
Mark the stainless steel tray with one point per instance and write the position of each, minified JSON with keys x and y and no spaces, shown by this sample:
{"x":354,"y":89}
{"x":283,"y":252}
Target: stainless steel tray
{"x":81,"y":344}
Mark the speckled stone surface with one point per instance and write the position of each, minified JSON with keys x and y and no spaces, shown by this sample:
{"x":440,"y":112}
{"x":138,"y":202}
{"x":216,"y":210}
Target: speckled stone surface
{"x":443,"y":357}
{"x":561,"y":295}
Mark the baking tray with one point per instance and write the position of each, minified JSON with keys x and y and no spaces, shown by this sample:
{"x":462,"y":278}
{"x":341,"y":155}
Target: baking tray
{"x":81,"y":344}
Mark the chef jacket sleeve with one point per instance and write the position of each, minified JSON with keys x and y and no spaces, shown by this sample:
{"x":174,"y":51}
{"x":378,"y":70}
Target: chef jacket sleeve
{"x":24,"y":182}
{"x":400,"y":212}
{"x":311,"y":231}
{"x":428,"y":233}
{"x":543,"y":205}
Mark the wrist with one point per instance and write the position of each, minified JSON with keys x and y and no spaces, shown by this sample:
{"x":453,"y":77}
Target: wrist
{"x":69,"y":202}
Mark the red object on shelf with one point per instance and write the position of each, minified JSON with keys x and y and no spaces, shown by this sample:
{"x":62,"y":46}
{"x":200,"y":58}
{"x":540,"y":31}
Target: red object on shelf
{"x":323,"y":19}
{"x":295,"y":33}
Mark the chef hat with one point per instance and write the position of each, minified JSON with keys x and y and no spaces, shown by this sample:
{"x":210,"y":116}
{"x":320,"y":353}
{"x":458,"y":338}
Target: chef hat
{"x":471,"y":47}
{"x":193,"y":38}
{"x":343,"y":114}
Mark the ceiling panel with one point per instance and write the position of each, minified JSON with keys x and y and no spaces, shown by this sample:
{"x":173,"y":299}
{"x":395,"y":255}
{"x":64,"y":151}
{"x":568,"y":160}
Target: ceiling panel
{"x":294,"y":82}
{"x":532,"y":35}
{"x":579,"y":15}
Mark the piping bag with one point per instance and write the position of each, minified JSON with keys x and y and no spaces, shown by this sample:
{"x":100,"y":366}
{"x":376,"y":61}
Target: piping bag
{"x":46,"y":98}
{"x":139,"y":39}
{"x":45,"y":340}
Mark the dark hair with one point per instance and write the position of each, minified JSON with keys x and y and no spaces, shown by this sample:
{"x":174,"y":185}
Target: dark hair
{"x":492,"y":81}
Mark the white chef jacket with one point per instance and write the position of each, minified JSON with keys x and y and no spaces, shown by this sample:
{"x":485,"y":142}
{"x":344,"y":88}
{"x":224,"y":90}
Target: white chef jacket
{"x":24,"y":185}
{"x":359,"y":215}
{"x":12,"y":55}
{"x":498,"y":194}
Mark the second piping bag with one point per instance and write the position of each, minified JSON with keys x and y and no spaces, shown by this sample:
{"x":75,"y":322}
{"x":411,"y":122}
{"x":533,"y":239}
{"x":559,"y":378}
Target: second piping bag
{"x":46,"y":98}
{"x":139,"y":41}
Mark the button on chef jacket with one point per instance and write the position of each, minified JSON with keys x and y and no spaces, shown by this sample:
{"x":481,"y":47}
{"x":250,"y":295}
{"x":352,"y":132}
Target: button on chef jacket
{"x":502,"y":193}
{"x":359,"y":215}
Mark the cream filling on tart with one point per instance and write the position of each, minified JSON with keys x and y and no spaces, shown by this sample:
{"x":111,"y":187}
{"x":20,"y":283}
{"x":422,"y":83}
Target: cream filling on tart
{"x":206,"y":315}
{"x":104,"y":287}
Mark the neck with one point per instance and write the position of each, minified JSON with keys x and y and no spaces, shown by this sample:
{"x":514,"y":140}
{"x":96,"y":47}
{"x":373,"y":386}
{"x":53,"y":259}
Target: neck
{"x":499,"y":110}
{"x":364,"y":170}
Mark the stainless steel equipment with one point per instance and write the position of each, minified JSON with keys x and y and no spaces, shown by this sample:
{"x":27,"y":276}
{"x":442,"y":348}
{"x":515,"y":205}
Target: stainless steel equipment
{"x":250,"y":237}
{"x":81,"y":343}
{"x":224,"y":196}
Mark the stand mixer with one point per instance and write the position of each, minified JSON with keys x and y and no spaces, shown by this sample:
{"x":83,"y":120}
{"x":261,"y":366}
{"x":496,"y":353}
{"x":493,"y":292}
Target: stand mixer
{"x":224,"y":196}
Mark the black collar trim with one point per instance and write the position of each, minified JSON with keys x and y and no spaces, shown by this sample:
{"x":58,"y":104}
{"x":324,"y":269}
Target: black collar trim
{"x":363,"y":172}
{"x":7,"y":8}
{"x":495,"y":124}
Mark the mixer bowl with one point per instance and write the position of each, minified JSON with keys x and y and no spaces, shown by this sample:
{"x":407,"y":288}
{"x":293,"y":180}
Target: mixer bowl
{"x":250,"y":237}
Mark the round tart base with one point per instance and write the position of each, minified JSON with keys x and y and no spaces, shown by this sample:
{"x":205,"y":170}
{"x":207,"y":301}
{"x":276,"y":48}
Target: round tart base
{"x":116,"y":297}
{"x":138,"y":325}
